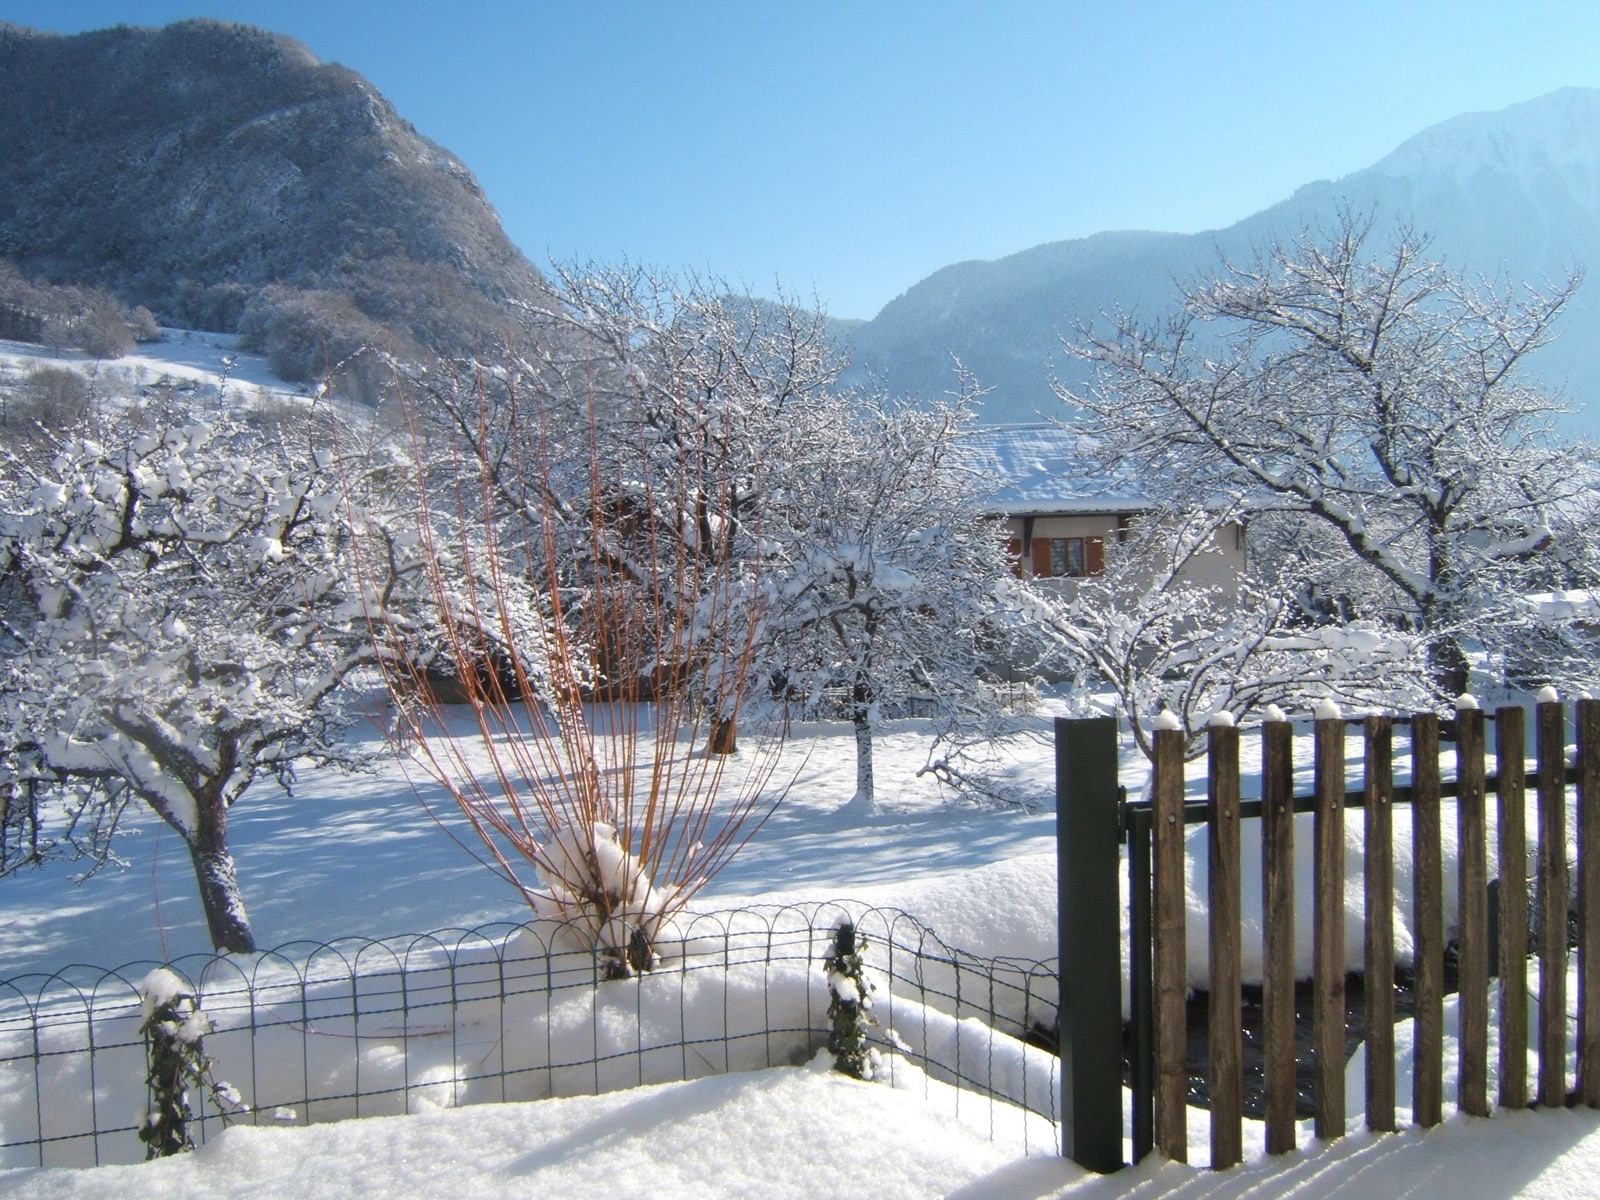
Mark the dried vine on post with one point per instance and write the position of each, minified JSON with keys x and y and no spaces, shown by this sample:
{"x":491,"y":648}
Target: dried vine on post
{"x":173,"y":1030}
{"x":850,"y":1010}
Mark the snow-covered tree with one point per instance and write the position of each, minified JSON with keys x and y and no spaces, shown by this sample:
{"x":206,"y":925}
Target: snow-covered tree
{"x":888,"y":576}
{"x":178,"y":617}
{"x":1366,"y":393}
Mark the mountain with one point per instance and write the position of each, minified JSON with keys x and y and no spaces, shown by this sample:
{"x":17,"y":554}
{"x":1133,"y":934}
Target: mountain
{"x":1511,"y":195}
{"x":224,"y":178}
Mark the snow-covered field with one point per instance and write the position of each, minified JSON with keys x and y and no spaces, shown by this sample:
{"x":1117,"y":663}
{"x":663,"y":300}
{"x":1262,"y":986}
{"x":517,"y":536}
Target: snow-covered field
{"x":360,"y":855}
{"x":182,"y":356}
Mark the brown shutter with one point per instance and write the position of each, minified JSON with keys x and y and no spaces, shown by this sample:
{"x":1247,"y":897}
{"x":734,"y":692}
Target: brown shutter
{"x":1095,"y":555}
{"x":1014,"y":555}
{"x":1041,"y":557}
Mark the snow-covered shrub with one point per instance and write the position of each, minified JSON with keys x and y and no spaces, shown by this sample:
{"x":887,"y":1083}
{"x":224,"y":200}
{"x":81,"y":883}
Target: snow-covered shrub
{"x":1555,"y":641}
{"x":174,"y":1029}
{"x":53,"y":397}
{"x":1166,"y":642}
{"x":590,"y":769}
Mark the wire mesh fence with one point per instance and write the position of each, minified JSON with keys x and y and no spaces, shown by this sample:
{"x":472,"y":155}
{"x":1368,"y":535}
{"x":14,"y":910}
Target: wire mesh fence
{"x":315,"y":1032}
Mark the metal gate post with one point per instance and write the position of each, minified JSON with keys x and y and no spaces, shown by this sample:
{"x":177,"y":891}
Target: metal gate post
{"x":1090,"y":1025}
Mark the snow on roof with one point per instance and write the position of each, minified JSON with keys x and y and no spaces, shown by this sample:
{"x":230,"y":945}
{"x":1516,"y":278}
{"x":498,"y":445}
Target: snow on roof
{"x":1043,"y":469}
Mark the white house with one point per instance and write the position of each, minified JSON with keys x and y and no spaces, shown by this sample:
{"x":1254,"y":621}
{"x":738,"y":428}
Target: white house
{"x":1059,"y":514}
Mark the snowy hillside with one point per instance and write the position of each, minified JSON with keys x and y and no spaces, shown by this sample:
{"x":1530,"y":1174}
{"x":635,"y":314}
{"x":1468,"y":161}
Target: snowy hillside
{"x":222,"y":176}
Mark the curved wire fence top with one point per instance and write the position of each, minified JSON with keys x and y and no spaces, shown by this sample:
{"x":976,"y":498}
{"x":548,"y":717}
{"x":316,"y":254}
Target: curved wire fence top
{"x":315,"y":1031}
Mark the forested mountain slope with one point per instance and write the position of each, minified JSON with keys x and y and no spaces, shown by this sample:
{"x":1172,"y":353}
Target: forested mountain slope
{"x":224,"y":178}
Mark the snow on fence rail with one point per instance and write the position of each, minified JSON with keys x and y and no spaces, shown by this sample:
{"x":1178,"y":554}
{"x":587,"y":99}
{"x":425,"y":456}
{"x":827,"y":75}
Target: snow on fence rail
{"x":314,"y":1032}
{"x":1542,"y":913}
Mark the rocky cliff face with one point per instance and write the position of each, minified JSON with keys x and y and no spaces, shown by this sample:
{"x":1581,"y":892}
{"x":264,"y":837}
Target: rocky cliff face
{"x":192,"y":168}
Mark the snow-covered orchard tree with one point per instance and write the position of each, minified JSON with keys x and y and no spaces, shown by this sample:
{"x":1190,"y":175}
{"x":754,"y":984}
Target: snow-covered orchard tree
{"x":178,"y":617}
{"x":890,"y":583}
{"x":1166,"y":639}
{"x":1370,"y":393}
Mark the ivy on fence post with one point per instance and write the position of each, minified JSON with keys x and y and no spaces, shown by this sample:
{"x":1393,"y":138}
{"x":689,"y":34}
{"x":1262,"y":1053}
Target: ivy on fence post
{"x":850,"y":1011}
{"x":173,"y":1030}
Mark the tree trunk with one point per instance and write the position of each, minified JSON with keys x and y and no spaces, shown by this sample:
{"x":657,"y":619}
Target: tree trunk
{"x":864,"y":800}
{"x":1447,"y":663}
{"x":724,"y":735}
{"x":214,"y":872}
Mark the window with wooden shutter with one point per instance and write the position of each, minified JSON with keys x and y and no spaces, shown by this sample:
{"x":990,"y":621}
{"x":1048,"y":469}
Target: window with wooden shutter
{"x":1041,"y":557}
{"x":1068,"y":558}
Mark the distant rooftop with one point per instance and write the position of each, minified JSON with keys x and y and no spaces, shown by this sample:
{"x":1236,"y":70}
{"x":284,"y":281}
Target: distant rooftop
{"x":1042,"y":470}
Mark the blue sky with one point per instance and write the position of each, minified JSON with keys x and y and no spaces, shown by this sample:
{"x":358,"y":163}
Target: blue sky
{"x":847,"y":149}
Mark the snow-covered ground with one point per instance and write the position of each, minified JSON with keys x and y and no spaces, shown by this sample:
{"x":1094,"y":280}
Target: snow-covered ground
{"x":181,"y":356}
{"x":359,"y":855}
{"x":803,"y":1134}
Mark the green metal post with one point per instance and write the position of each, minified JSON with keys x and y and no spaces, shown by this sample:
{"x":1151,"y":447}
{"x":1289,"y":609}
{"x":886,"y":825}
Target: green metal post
{"x":1090,"y":935}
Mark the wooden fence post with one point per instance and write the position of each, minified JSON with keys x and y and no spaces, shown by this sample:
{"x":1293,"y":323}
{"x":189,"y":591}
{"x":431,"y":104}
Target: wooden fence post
{"x":1088,"y":894}
{"x":1427,"y":874}
{"x":1227,"y":1078}
{"x":1328,"y":962}
{"x":1378,"y":818}
{"x":1277,"y":934}
{"x":1472,"y":1083}
{"x":1171,"y":951}
{"x":1551,"y":735}
{"x":1510,"y":756}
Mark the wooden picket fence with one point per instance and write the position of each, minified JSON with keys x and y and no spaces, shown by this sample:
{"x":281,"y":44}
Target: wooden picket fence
{"x":1158,"y":983}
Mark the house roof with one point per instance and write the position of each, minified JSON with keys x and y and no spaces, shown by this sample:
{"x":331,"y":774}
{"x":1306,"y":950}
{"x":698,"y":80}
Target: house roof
{"x":1044,"y":470}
